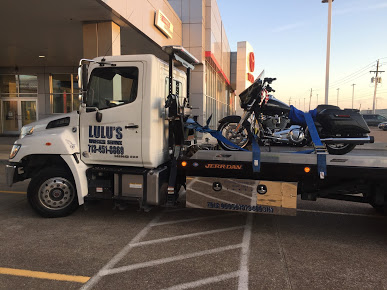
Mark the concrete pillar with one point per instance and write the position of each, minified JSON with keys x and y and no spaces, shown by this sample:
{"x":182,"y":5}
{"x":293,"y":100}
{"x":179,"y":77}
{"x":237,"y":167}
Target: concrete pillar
{"x":101,"y":39}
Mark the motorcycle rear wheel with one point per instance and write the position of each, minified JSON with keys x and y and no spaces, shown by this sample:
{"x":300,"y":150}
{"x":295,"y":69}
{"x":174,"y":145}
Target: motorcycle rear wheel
{"x":340,"y":149}
{"x":240,"y":139}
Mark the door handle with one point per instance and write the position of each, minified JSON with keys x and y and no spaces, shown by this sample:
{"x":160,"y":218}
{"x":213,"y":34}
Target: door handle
{"x":131,"y":126}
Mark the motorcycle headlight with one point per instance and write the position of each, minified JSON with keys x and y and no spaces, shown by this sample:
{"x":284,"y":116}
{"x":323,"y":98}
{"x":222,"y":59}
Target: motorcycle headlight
{"x":15,"y":149}
{"x":26,"y":130}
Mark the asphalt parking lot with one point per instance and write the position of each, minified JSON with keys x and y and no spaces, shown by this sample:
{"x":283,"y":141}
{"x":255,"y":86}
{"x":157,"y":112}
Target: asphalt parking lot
{"x":329,"y":244}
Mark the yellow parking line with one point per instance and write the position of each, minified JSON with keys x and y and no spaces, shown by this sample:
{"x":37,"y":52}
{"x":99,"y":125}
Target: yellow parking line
{"x":43,"y":275}
{"x":19,"y":192}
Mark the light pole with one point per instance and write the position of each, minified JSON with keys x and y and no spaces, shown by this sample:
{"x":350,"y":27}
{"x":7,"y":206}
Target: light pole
{"x":338,"y":96}
{"x":328,"y":48}
{"x":353,"y":93}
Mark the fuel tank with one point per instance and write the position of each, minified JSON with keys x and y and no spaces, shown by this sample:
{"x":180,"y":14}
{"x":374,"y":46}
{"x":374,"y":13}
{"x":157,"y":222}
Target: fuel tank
{"x":275,"y":107}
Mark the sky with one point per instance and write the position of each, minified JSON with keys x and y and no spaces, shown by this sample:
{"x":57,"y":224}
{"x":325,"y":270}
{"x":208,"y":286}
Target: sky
{"x":289,"y":38}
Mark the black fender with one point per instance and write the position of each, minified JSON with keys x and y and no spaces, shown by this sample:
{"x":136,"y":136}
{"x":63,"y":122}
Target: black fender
{"x":234,"y":119}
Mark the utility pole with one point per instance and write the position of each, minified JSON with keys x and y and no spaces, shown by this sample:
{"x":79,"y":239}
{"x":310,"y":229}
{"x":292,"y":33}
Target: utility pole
{"x":310,"y":98}
{"x":290,"y":100}
{"x":338,"y":96}
{"x":353,"y":93}
{"x":377,"y":71}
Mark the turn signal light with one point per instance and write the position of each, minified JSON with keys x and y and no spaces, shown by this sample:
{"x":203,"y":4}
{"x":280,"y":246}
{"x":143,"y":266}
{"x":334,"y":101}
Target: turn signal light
{"x":307,"y":169}
{"x":184,"y":164}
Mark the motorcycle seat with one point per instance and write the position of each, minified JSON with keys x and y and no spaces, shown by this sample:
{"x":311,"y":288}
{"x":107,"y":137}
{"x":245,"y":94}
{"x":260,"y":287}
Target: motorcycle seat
{"x":321,"y":108}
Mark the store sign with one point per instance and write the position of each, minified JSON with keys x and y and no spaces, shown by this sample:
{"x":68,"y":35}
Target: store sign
{"x":251,"y":66}
{"x":163,"y":23}
{"x":251,"y":61}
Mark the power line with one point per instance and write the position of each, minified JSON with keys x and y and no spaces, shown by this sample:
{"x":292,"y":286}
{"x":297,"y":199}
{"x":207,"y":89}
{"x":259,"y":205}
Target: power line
{"x":356,"y":72}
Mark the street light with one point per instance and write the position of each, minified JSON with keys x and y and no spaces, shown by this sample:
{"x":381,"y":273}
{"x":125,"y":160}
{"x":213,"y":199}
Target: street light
{"x":328,"y":47}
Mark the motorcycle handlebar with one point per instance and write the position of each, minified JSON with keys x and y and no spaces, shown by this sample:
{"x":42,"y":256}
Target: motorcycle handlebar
{"x":270,"y":80}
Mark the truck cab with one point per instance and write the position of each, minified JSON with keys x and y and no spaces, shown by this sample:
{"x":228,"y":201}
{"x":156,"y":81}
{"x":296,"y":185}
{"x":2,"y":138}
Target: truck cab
{"x":117,"y":146}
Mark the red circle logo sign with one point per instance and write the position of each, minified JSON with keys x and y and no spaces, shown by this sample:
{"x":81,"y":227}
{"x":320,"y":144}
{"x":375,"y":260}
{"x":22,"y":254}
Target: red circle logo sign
{"x":251,"y":61}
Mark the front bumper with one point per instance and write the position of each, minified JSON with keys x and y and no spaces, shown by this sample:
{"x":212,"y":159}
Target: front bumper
{"x":10,"y":174}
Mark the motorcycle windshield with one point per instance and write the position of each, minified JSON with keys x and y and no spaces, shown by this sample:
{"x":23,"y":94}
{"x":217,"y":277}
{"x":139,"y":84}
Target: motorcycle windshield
{"x":252,"y":91}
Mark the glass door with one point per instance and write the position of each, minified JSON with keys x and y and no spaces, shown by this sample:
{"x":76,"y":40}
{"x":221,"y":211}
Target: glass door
{"x":27,"y":112}
{"x":18,"y":113}
{"x":10,"y":117}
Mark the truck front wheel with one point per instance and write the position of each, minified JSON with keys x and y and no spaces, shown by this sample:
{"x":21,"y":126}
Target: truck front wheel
{"x":52,"y":193}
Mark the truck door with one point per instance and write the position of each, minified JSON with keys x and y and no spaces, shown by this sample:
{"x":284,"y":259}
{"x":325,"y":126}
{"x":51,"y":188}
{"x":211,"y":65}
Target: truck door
{"x":110,"y":123}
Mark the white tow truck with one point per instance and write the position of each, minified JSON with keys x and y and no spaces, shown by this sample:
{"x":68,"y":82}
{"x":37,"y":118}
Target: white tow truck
{"x":128,"y":143}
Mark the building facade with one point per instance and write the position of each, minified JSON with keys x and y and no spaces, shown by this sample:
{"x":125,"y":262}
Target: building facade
{"x":40,"y":52}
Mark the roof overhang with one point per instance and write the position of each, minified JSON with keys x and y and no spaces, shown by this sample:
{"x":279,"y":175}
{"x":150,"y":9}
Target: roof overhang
{"x":53,"y":29}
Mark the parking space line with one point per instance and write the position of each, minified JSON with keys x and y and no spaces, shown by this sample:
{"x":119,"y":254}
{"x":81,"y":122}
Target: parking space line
{"x":43,"y":275}
{"x":186,"y":236}
{"x":121,"y":254}
{"x":205,"y":281}
{"x":168,"y":260}
{"x":243,"y":282}
{"x":194,"y":219}
{"x":9,"y":191}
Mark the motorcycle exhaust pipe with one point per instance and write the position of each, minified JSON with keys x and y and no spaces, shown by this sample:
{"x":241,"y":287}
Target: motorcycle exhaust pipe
{"x":362,"y":140}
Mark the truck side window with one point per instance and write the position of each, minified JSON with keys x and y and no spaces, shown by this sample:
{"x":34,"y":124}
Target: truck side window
{"x":112,"y":86}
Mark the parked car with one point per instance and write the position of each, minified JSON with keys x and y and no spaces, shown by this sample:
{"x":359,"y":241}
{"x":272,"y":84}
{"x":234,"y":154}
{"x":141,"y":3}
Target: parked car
{"x":374,"y":119}
{"x":383,"y":126}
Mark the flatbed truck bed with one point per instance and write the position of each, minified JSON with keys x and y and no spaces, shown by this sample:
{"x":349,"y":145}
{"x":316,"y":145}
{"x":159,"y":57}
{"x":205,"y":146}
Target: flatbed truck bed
{"x":352,"y":177}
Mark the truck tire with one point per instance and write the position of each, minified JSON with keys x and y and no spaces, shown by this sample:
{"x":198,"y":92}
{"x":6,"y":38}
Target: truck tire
{"x":340,"y":149}
{"x":52,"y":193}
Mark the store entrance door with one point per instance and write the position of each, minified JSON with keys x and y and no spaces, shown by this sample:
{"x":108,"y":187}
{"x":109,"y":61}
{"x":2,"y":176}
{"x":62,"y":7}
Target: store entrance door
{"x":17,"y":113}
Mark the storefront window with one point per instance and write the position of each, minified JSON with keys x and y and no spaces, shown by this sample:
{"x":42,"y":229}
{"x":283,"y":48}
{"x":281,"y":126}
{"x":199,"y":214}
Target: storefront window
{"x":217,"y":96}
{"x":64,"y":93}
{"x":18,"y":97}
{"x":18,"y":86}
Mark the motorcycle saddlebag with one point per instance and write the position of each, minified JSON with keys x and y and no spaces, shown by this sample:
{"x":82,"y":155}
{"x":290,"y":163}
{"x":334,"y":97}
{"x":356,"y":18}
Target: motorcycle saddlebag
{"x":347,"y":121}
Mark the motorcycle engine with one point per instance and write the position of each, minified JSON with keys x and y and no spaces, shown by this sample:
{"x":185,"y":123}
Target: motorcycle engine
{"x":275,"y":123}
{"x":296,"y":135}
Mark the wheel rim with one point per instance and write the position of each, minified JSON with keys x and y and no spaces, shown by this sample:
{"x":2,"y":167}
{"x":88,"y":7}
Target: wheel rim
{"x":56,"y":193}
{"x":338,"y":146}
{"x":241,"y":139}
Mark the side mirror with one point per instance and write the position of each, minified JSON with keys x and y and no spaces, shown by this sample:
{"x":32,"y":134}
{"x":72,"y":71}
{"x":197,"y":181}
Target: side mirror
{"x":98,"y":116}
{"x":83,"y":79}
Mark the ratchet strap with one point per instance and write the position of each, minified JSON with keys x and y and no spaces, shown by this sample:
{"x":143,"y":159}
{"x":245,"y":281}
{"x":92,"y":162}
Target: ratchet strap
{"x":192,"y":124}
{"x":318,"y":146}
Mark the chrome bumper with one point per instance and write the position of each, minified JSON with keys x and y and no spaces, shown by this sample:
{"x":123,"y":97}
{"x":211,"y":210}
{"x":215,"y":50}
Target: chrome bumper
{"x":9,"y":174}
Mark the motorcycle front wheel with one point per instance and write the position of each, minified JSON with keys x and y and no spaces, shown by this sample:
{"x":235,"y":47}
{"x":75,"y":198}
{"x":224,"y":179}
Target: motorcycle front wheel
{"x":340,"y":149}
{"x":228,"y":131}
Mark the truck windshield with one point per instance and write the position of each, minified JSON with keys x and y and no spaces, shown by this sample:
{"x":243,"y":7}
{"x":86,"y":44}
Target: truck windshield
{"x":112,"y":86}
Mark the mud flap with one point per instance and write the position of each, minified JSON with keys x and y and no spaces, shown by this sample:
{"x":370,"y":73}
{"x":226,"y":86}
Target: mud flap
{"x":242,"y":195}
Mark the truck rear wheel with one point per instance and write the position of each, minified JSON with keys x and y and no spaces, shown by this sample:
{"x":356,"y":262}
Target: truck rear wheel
{"x":52,"y":193}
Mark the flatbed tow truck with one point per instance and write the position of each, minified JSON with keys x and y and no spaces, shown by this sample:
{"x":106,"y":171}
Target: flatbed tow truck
{"x":128,"y":143}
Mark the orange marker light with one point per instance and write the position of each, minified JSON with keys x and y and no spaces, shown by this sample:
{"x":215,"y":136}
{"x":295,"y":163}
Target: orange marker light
{"x":307,"y":169}
{"x":48,"y":144}
{"x":184,"y":164}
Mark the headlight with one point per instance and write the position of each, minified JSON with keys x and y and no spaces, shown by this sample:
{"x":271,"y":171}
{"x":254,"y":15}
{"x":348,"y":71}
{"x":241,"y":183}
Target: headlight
{"x":26,"y":130}
{"x":15,"y":149}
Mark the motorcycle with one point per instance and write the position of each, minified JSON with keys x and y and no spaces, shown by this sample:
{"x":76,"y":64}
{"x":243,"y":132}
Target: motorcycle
{"x":273,"y":121}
